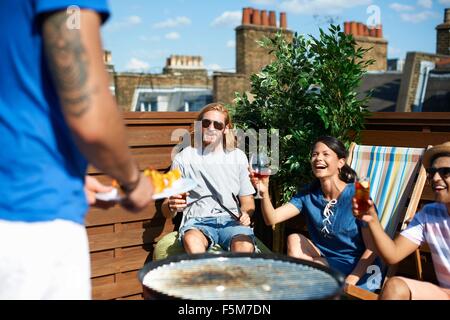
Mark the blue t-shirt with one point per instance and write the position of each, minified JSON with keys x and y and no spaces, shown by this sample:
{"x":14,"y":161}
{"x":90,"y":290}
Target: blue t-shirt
{"x":41,"y":170}
{"x":343,"y":245}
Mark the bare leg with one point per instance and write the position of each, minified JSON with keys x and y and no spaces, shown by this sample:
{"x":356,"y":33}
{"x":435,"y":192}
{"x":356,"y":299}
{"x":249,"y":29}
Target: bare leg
{"x":195,"y":241}
{"x":395,"y":289}
{"x":242,"y":243}
{"x":298,"y":246}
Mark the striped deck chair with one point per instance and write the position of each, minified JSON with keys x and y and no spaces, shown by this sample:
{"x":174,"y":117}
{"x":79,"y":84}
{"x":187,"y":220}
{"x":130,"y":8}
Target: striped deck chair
{"x":396,"y":175}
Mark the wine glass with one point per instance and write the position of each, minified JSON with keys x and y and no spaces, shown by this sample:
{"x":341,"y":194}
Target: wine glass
{"x":260,"y":164}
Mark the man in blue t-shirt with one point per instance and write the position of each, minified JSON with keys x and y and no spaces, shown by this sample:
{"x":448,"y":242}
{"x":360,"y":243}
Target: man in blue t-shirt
{"x":56,"y":115}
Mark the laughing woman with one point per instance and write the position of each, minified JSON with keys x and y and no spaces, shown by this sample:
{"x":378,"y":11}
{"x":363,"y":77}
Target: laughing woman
{"x":337,"y":240}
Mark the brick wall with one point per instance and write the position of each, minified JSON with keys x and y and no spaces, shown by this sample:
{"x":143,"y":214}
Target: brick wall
{"x":126,"y":83}
{"x":226,"y":84}
{"x":411,"y":73}
{"x":377,"y":52}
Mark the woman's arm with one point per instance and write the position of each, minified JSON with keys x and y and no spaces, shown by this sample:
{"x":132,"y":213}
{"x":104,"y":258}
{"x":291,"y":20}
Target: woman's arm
{"x":391,"y":251}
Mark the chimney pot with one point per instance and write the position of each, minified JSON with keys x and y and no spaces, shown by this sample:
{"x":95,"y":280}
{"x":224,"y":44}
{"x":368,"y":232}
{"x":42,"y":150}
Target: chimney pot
{"x":246,"y":16}
{"x":372,"y":32}
{"x":354,"y":28}
{"x":347,"y":27}
{"x":264,"y":18}
{"x":272,"y":19}
{"x":256,"y":17}
{"x":360,"y":29}
{"x":447,"y":16}
{"x":366,"y":31}
{"x":379,"y":31}
{"x":283,"y":20}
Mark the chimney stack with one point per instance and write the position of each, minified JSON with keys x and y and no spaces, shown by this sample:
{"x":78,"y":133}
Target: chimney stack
{"x":283,"y":20}
{"x":443,"y":35}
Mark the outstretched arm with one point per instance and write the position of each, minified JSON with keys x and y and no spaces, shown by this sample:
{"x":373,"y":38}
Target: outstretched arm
{"x":76,"y":64}
{"x":391,"y":251}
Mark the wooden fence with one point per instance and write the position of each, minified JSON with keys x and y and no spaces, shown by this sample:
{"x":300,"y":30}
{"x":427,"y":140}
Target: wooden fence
{"x":121,"y":242}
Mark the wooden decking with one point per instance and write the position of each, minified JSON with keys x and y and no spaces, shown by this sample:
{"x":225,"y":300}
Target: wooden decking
{"x":120,"y":242}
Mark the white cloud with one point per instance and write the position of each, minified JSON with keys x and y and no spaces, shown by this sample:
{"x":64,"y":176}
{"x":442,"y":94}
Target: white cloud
{"x":394,"y":51}
{"x":228,"y":18}
{"x":427,"y":4}
{"x":137,"y":65}
{"x":126,"y":22}
{"x":418,"y":17}
{"x":213,"y":67}
{"x":172,"y":36}
{"x":134,"y":20}
{"x":308,"y":7}
{"x":173,"y":23}
{"x":149,"y":39}
{"x":231,"y":44}
{"x":401,"y":7}
{"x":444,"y":2}
{"x":266,"y":2}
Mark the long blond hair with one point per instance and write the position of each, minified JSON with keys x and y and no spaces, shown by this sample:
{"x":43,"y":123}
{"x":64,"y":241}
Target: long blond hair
{"x":229,"y":140}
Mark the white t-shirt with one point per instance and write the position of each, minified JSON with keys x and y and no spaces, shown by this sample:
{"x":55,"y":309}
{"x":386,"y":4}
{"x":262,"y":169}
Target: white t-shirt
{"x":220,"y":173}
{"x":432,"y":225}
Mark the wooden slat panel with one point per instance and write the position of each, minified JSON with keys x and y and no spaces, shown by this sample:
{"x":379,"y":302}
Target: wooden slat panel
{"x":100,"y":255}
{"x":117,"y":214}
{"x":157,"y":158}
{"x":403,"y":138}
{"x":121,"y":239}
{"x":99,"y":230}
{"x":100,"y":281}
{"x":153,"y":135}
{"x":134,"y":297}
{"x":117,"y":290}
{"x":131,"y":260}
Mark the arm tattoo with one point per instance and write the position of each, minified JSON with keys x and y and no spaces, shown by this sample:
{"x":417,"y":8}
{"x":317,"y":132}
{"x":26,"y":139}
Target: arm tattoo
{"x":68,"y":63}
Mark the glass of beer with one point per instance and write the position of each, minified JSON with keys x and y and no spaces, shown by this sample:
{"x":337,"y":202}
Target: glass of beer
{"x":362,"y":193}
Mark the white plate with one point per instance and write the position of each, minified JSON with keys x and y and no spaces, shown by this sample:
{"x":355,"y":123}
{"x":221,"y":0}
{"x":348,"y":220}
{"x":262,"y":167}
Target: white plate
{"x":178,"y":187}
{"x":112,"y":195}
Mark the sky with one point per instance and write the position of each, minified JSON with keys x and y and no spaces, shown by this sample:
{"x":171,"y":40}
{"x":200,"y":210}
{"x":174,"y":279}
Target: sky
{"x":141,"y":34}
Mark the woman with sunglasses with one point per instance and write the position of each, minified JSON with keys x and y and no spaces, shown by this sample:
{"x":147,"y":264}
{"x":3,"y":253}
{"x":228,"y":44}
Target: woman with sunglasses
{"x":431,"y":225}
{"x":336,"y":238}
{"x":218,"y":210}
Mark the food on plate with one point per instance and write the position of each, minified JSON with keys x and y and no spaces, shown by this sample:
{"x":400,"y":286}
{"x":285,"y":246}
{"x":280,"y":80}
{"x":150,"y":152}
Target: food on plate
{"x":163,"y":181}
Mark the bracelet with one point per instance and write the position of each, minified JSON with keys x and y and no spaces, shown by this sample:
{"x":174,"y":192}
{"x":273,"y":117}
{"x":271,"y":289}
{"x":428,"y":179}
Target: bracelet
{"x":130,"y":187}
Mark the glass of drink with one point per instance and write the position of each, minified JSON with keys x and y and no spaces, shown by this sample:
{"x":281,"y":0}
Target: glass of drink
{"x":362,"y":193}
{"x":260,"y":164}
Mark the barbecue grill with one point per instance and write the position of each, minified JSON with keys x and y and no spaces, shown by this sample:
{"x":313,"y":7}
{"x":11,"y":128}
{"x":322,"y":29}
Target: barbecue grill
{"x":238,"y":276}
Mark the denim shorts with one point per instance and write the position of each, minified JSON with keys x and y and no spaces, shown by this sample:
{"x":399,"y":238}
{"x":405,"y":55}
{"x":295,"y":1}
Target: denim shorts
{"x":218,"y":230}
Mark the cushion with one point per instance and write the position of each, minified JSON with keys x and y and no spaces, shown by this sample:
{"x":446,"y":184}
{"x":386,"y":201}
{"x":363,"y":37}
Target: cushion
{"x":169,"y":245}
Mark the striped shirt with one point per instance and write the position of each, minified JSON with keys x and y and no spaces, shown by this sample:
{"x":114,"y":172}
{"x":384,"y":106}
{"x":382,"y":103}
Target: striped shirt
{"x":432,"y":225}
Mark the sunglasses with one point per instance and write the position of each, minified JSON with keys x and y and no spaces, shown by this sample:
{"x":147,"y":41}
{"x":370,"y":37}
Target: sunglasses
{"x":444,"y":172}
{"x":217,"y":124}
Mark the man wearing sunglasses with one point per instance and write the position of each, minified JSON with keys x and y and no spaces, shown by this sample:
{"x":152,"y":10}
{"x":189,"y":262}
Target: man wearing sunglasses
{"x":431,"y":225}
{"x":218,"y":210}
